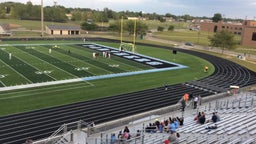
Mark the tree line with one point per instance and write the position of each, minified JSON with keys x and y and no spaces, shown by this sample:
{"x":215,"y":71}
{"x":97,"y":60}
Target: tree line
{"x":28,"y":11}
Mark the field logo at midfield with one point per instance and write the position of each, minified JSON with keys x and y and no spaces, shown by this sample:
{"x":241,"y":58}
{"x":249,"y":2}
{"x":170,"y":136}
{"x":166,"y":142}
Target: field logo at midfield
{"x":3,"y":76}
{"x":30,"y":47}
{"x":43,"y":72}
{"x":81,"y":68}
{"x":114,"y":65}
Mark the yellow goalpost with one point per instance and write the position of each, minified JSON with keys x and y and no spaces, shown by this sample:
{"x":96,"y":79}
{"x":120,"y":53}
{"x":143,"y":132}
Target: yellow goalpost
{"x":124,"y":45}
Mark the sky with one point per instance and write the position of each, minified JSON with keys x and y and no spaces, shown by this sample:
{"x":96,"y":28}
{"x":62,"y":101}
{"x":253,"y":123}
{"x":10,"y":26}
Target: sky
{"x":244,"y":9}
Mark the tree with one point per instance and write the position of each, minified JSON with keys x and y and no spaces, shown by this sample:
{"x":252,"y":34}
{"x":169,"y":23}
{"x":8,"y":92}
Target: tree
{"x":89,"y":26}
{"x":224,"y":40}
{"x":141,"y":28}
{"x":114,"y":26}
{"x":171,"y":28}
{"x":217,"y":17}
{"x":160,"y":28}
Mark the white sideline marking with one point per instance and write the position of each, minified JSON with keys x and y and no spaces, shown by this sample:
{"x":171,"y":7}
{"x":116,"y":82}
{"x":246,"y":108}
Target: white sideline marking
{"x":43,"y":92}
{"x":40,"y":84}
{"x":2,"y":83}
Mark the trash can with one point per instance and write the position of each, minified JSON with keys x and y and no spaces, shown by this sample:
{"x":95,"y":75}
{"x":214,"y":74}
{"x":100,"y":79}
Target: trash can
{"x":142,"y":36}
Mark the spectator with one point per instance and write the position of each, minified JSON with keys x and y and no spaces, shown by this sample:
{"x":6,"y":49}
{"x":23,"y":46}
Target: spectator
{"x":211,"y":127}
{"x":183,"y":105}
{"x":199,"y":100}
{"x":178,"y":137}
{"x":166,"y":87}
{"x":181,"y":121}
{"x":173,"y":138}
{"x":127,"y":136}
{"x":197,"y":117}
{"x":195,"y":102}
{"x":166,"y":141}
{"x":202,"y":118}
{"x":120,"y":135}
{"x":172,"y":127}
{"x":176,"y":122}
{"x":218,"y":116}
{"x":126,"y":129}
{"x":138,"y":133}
{"x":214,"y":118}
{"x":113,"y":138}
{"x":206,"y":69}
{"x":157,"y":123}
{"x":29,"y":141}
{"x":152,"y":128}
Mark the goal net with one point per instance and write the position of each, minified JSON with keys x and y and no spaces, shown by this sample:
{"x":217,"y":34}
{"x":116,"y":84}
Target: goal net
{"x":127,"y":47}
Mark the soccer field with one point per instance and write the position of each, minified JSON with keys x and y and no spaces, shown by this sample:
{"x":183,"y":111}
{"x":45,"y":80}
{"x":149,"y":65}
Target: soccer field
{"x":45,"y":75}
{"x":27,"y":64}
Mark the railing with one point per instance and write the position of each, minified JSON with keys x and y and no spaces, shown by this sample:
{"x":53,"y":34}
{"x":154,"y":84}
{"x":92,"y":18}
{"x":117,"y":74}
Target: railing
{"x":64,"y":132}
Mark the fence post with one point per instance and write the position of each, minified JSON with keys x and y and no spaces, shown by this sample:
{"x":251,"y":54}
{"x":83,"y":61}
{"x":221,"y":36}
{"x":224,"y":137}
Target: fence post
{"x":65,"y":129}
{"x":143,"y":128}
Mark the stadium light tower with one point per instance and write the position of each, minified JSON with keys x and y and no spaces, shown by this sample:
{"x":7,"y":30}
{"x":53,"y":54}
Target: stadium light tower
{"x":55,"y":3}
{"x":42,"y":18}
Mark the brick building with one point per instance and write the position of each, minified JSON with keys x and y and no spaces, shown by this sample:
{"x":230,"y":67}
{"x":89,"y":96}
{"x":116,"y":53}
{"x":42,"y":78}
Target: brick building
{"x":247,"y":30}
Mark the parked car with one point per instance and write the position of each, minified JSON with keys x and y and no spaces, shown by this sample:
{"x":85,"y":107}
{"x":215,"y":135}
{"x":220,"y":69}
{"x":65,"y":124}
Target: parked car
{"x":189,"y":44}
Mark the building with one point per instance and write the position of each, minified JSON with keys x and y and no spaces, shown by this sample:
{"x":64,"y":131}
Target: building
{"x":63,"y":30}
{"x":3,"y":31}
{"x":235,"y":28}
{"x":249,"y":34}
{"x":247,"y":30}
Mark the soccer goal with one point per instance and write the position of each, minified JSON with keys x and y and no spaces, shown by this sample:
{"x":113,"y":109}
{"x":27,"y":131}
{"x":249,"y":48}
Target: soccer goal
{"x":124,"y":45}
{"x":127,"y":47}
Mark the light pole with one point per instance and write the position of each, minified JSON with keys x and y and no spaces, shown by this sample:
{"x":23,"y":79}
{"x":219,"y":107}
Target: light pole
{"x":42,"y":19}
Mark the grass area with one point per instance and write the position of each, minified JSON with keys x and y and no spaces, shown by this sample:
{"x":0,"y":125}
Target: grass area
{"x":36,"y":98}
{"x":196,"y":37}
{"x":249,"y":63}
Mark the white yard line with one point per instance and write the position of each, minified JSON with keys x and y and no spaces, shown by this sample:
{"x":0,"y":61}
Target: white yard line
{"x":31,"y":65}
{"x":16,"y":71}
{"x":2,"y":83}
{"x":57,"y":67}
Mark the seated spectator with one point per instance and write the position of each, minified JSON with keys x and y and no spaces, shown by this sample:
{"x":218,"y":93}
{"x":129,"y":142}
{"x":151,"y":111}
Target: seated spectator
{"x":176,"y":122}
{"x":166,"y":141}
{"x":201,"y":119}
{"x":218,"y":116}
{"x":157,"y":123}
{"x":138,"y":133}
{"x":211,"y":127}
{"x":197,"y":117}
{"x":166,"y":127}
{"x":127,"y":136}
{"x":214,"y":118}
{"x":152,"y":128}
{"x":113,"y":138}
{"x":29,"y":141}
{"x":172,"y":127}
{"x":177,"y":137}
{"x":173,"y":138}
{"x":120,"y":135}
{"x":126,"y":129}
{"x":181,"y":121}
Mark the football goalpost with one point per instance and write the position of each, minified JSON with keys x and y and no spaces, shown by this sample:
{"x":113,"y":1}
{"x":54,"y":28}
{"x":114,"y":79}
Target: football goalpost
{"x":125,"y":45}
